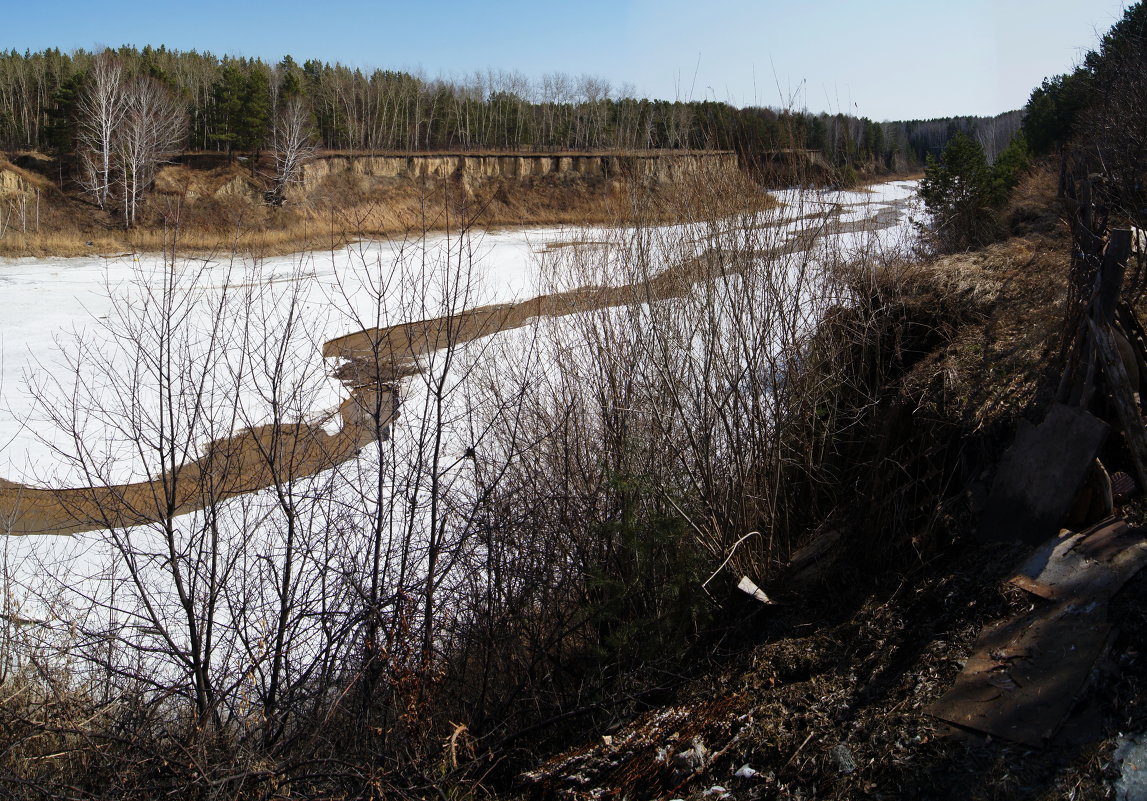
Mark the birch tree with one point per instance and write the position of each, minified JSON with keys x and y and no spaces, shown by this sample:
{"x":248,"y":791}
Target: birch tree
{"x":102,"y":109}
{"x":153,"y":126}
{"x":292,"y":140}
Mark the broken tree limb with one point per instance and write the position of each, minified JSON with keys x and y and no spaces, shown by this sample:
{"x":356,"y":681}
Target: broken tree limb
{"x":1119,"y":389}
{"x":1110,"y":279}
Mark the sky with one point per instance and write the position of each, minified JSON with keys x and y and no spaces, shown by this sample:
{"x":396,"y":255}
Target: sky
{"x":882,"y":59}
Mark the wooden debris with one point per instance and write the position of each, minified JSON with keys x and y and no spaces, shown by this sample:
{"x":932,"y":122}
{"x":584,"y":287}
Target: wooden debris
{"x":1107,"y":339}
{"x":1122,"y":397}
{"x":809,"y":564}
{"x":1024,"y":675}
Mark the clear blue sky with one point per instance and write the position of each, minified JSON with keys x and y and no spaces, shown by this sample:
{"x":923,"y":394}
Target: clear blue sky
{"x":885,"y":59}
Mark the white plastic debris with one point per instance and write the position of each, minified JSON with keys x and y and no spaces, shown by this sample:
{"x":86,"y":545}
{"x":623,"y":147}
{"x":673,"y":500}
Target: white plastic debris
{"x":1131,"y":755}
{"x":749,"y":587}
{"x":843,"y":760}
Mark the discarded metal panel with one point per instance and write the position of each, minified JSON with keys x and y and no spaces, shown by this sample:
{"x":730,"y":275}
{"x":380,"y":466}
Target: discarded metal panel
{"x":1109,"y":545}
{"x":1040,"y":475}
{"x":1025,"y":674}
{"x":1091,"y":565}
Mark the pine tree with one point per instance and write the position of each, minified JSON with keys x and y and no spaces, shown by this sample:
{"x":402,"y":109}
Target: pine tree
{"x":958,"y":191}
{"x":1009,"y":168}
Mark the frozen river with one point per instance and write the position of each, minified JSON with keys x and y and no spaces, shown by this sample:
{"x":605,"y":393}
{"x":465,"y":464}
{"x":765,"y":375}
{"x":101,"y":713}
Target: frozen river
{"x":119,"y":373}
{"x":79,"y":337}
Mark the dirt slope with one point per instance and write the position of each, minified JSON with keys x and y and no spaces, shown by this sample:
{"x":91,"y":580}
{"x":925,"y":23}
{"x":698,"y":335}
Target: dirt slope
{"x":825,"y":694}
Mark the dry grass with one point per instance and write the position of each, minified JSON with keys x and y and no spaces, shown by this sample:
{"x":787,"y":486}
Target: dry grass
{"x":261,"y":231}
{"x":221,"y":210}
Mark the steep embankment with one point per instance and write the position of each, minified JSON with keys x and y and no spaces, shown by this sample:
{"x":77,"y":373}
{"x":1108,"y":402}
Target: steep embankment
{"x":217,"y":205}
{"x":826,"y":694}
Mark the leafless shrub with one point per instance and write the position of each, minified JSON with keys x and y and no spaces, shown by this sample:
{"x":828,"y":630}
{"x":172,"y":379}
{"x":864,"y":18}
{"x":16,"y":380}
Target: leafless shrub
{"x":529,"y":541}
{"x":101,"y":110}
{"x":293,"y":145}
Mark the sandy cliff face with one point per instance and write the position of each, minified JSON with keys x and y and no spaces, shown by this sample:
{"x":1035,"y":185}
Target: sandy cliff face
{"x":472,"y":170}
{"x":343,"y":175}
{"x":11,"y":183}
{"x":196,"y":184}
{"x":15,"y":182}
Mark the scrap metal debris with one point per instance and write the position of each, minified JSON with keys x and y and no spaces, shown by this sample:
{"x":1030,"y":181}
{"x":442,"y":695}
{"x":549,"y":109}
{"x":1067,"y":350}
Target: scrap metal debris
{"x":1093,"y":564}
{"x":1040,"y":475}
{"x":1025,"y":674}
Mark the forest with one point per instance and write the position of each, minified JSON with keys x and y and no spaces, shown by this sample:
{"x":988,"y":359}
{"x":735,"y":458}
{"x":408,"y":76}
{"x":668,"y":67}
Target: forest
{"x":231,"y":104}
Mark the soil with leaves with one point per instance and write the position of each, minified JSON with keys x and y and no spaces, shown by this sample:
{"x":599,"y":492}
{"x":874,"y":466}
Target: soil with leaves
{"x":832,"y":704}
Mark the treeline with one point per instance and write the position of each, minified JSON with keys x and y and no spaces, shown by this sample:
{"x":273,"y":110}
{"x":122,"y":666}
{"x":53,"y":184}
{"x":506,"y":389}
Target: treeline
{"x":993,"y":134}
{"x":1060,"y":109}
{"x":1097,"y":113}
{"x":232,"y":104}
{"x":1092,"y":117}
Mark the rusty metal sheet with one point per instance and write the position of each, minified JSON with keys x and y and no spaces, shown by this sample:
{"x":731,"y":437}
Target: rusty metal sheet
{"x":1025,"y":674}
{"x":1107,"y":540}
{"x":1033,"y":586}
{"x":1093,"y":564}
{"x":1040,"y":475}
{"x":1047,"y":568}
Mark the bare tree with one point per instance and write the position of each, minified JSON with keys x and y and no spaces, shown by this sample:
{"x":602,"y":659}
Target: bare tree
{"x":562,"y":475}
{"x":153,"y":127}
{"x":101,"y":111}
{"x":292,"y":139}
